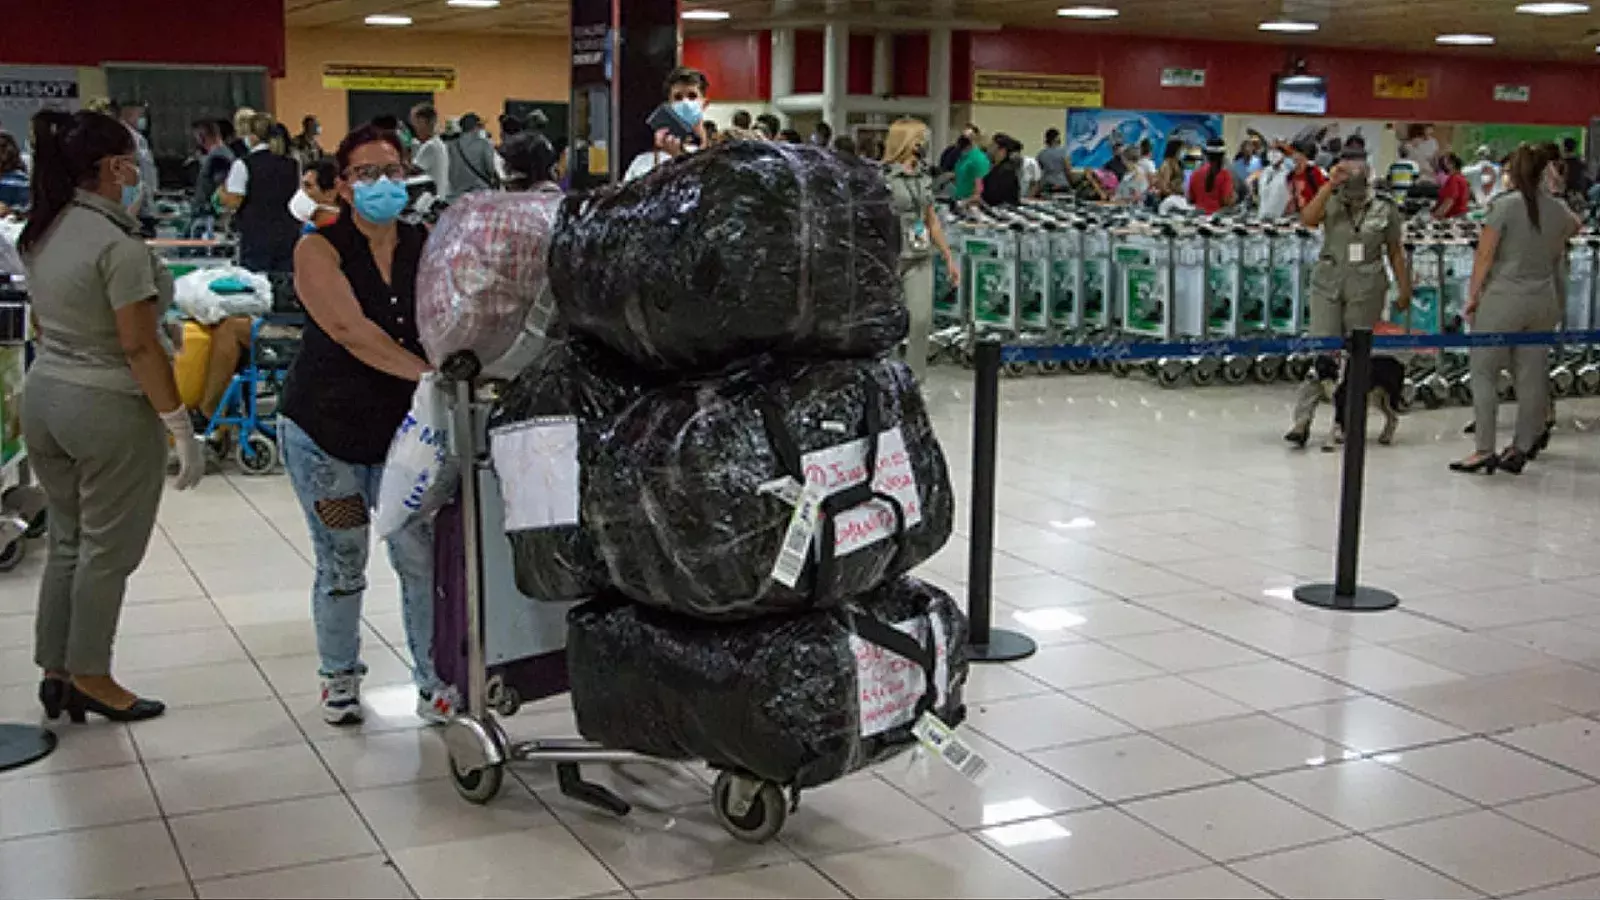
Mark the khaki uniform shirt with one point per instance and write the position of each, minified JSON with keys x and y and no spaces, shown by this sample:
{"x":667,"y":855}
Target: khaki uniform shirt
{"x":1355,"y":243}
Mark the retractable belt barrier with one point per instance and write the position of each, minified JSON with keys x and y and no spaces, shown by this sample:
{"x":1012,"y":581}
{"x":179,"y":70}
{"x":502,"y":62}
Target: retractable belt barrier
{"x":1344,"y":593}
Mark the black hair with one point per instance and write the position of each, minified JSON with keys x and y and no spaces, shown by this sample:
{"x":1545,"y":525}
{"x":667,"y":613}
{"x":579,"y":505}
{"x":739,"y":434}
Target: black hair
{"x":225,"y":129}
{"x":1173,"y":150}
{"x":278,"y":138}
{"x":791,"y":136}
{"x":366,"y":134}
{"x":307,"y":123}
{"x":1451,"y":160}
{"x":687,"y":75}
{"x":327,"y":172}
{"x":531,"y":157}
{"x":1527,"y":167}
{"x":1216,"y":152}
{"x":1146,"y":148}
{"x":426,"y":112}
{"x":963,"y":143}
{"x":511,"y":125}
{"x":843,"y":144}
{"x":68,"y":149}
{"x":770,"y":124}
{"x":1570,"y":145}
{"x":824,"y":131}
{"x":741,"y":119}
{"x":387,"y":122}
{"x":1051,"y":136}
{"x":207,"y":128}
{"x":10,"y":154}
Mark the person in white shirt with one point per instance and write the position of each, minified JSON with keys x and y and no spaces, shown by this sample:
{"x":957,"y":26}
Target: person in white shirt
{"x":1032,"y":177}
{"x":1483,"y":176}
{"x":430,"y":157}
{"x":1147,"y":158}
{"x":687,"y":90}
{"x":1272,"y":185}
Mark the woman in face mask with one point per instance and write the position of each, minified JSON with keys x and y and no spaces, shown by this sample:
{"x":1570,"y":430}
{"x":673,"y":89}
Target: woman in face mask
{"x":921,"y":235}
{"x":97,"y":398}
{"x":1350,"y":285}
{"x":1517,"y":285}
{"x":1272,"y":185}
{"x":347,"y":393}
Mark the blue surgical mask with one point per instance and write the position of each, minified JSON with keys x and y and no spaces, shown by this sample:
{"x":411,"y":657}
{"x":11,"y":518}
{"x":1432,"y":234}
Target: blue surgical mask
{"x":689,"y":111}
{"x":382,"y":201}
{"x":131,"y":192}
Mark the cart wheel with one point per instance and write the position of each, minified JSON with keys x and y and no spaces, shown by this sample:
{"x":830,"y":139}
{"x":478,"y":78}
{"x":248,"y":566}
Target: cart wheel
{"x":1016,"y":369}
{"x":1561,"y":382}
{"x":1588,"y":382}
{"x":257,"y":454}
{"x":1202,"y":374}
{"x":1269,"y":369}
{"x":1236,"y":370}
{"x":1428,"y":397}
{"x":761,"y":821}
{"x":12,"y":555}
{"x":1169,"y":377}
{"x":1121,"y":369}
{"x":1297,"y":369}
{"x":477,"y":787}
{"x":1049,"y":367}
{"x":1079,"y":367}
{"x":39,"y":527}
{"x":510,"y":702}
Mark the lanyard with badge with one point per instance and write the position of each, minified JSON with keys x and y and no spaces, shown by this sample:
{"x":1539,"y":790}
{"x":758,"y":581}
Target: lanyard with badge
{"x":1358,"y":250}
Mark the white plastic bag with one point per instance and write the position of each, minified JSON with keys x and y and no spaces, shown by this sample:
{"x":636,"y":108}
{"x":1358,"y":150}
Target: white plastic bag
{"x":419,"y":475}
{"x":196,"y":300}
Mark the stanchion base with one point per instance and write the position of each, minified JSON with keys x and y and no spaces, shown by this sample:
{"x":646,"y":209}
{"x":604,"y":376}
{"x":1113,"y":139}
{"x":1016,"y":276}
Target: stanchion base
{"x":1365,"y":599}
{"x":23,"y":744}
{"x":1003,"y":646}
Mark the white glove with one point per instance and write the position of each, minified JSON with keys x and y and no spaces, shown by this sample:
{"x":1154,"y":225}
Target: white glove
{"x":191,"y":458}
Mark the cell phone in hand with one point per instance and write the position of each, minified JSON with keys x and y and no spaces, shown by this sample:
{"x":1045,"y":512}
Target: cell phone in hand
{"x":664,"y":117}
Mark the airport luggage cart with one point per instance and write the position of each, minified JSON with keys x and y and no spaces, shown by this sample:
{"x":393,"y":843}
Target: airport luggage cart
{"x":479,"y":749}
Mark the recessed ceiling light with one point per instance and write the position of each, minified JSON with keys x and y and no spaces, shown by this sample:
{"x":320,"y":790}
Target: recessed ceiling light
{"x":707,"y":15}
{"x":1464,"y":40}
{"x":388,"y":20}
{"x":1088,"y":12}
{"x":1289,"y":27}
{"x":1553,"y":9}
{"x":473,"y":4}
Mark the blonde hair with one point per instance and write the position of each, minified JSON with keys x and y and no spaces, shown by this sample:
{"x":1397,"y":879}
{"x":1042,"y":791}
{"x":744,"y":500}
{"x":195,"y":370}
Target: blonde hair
{"x":241,"y":120}
{"x":905,"y":135}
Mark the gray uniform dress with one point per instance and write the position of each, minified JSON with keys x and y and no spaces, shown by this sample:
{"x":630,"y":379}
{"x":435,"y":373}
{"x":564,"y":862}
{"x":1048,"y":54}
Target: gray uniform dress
{"x":1350,"y":283}
{"x":913,"y":195}
{"x":1522,"y":293}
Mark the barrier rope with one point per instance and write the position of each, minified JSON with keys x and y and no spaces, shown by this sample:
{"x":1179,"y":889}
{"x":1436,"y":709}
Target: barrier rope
{"x":1134,"y":351}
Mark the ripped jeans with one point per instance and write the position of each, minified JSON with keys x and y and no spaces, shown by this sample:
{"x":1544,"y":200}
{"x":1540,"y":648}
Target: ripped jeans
{"x":338,"y":499}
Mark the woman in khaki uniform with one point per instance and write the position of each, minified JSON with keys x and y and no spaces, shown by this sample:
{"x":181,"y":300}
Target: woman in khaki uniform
{"x":1350,"y":284}
{"x":1516,"y":287}
{"x":920,"y":233}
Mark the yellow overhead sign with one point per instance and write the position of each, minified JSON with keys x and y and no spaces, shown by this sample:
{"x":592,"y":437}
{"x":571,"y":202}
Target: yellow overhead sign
{"x":1027,"y":89}
{"x":342,"y":77}
{"x":1399,"y":87}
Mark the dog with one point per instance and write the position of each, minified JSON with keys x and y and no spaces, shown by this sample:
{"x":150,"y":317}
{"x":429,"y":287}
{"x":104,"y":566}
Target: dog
{"x":1386,"y":381}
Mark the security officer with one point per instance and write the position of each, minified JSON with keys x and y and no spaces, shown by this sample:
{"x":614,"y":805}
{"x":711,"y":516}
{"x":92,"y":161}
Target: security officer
{"x":1349,"y":285}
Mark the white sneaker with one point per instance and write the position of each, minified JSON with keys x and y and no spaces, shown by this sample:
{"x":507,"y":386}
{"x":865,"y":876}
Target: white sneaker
{"x":341,"y":699}
{"x":438,"y":706}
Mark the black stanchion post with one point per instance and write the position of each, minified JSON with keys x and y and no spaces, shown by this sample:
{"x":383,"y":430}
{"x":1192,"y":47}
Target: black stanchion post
{"x":987,"y":644}
{"x":1345,"y":594}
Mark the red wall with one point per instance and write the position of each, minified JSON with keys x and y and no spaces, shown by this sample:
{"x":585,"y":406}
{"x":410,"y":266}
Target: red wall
{"x":189,"y":32}
{"x":1239,"y":77}
{"x":738,"y":64}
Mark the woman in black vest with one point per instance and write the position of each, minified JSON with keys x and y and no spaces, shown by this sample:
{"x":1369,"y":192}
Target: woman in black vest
{"x":259,"y":188}
{"x":349,"y":390}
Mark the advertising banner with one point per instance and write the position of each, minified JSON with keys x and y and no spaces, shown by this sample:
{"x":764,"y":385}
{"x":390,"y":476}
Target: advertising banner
{"x":1026,"y":89}
{"x":25,"y":90}
{"x":421,"y":79}
{"x":1092,"y":133}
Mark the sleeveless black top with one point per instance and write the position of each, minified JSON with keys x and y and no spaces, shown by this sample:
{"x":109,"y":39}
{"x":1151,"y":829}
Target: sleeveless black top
{"x":349,"y":408}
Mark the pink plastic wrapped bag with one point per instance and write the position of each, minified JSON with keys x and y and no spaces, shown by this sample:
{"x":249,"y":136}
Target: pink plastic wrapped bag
{"x":483,"y":285}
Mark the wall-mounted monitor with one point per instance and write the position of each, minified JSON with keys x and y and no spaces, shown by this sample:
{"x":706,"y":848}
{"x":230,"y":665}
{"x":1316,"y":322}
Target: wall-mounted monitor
{"x":1300,"y":95}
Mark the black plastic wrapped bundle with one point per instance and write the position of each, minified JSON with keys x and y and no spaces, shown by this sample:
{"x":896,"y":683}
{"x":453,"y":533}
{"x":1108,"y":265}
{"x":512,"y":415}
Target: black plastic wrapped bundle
{"x":684,"y":497}
{"x":745,"y":248}
{"x":797,"y":700}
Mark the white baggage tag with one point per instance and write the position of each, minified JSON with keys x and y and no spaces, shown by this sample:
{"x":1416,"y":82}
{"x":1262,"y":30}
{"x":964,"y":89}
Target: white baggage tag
{"x":943,"y":741}
{"x":1358,"y":253}
{"x":797,"y":540}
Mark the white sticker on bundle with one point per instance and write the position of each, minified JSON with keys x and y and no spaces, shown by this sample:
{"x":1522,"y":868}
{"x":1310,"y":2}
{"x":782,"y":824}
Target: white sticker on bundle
{"x":827,"y":472}
{"x":537,"y":462}
{"x":890,"y":686}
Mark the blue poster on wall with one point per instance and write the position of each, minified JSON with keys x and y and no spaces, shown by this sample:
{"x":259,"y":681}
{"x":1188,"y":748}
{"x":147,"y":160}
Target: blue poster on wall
{"x":1091,"y":133}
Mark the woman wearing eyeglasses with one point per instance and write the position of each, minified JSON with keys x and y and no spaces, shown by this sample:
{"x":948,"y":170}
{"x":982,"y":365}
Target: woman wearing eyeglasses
{"x":349,"y":390}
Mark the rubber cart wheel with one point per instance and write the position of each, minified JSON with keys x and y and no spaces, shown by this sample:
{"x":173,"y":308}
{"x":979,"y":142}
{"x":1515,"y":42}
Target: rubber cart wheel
{"x":757,"y":824}
{"x":1268,"y":369}
{"x":257,"y":454}
{"x":11,"y":556}
{"x":1168,"y":377}
{"x":477,"y":787}
{"x":40,"y":526}
{"x":1236,"y":370}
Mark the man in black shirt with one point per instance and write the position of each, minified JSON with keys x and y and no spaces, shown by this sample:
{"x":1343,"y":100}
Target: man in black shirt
{"x":1577,"y":169}
{"x":215,"y":161}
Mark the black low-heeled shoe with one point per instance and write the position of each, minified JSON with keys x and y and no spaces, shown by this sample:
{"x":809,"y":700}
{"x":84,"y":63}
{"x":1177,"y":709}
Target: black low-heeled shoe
{"x":1486,"y":464}
{"x":52,"y":696}
{"x":79,"y":705}
{"x":1514,"y":460}
{"x":1539,"y":444}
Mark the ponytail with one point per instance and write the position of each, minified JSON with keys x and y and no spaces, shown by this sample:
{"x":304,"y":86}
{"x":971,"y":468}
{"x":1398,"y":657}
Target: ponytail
{"x":1527,"y":168}
{"x":1214,"y":166}
{"x":67,"y":150}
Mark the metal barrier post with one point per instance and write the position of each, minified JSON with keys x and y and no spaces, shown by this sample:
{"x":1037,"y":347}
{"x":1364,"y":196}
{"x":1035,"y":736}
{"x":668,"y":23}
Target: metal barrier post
{"x":986,"y":644}
{"x":1345,"y":594}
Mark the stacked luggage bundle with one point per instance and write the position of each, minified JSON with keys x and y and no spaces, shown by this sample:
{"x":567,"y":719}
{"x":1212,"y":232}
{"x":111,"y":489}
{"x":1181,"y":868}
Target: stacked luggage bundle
{"x":721,"y":459}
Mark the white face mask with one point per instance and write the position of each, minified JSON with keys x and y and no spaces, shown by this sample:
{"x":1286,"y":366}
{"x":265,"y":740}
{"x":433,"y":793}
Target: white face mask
{"x":1274,"y":156}
{"x":301,"y":206}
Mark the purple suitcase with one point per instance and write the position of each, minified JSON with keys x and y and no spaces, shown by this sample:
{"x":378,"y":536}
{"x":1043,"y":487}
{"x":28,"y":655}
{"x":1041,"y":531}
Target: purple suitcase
{"x":514,"y":678}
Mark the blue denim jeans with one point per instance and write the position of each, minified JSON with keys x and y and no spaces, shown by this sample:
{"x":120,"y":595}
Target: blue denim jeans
{"x":340,"y":534}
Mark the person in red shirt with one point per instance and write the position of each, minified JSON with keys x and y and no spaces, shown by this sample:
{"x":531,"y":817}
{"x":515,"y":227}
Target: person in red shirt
{"x":1306,"y":179}
{"x":1211,"y":188}
{"x":1455,"y":194}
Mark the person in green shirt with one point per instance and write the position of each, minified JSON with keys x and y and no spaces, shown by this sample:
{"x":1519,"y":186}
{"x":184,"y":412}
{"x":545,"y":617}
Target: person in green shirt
{"x":970,"y":170}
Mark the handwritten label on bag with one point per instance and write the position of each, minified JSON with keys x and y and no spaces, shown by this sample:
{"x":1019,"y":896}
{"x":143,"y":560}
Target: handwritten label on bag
{"x":537,"y":462}
{"x":836,"y":468}
{"x":891,"y":685}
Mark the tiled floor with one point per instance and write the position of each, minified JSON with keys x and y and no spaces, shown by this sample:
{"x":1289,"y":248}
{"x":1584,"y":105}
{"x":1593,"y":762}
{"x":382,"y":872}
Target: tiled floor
{"x":1186,"y":729}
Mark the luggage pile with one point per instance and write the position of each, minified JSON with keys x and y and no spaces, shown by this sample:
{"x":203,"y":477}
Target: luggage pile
{"x":721,"y":460}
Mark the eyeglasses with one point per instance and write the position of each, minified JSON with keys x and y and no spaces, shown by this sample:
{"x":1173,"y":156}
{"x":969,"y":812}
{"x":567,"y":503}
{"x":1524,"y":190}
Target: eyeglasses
{"x":372,"y":172}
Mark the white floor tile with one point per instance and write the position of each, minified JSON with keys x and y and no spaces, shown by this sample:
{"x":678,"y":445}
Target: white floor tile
{"x":362,"y":878}
{"x":45,"y":803}
{"x":1032,"y":723}
{"x":855,"y":815}
{"x":1080,"y":852}
{"x":239,"y":778}
{"x":786,"y":881}
{"x":1491,"y":853}
{"x":1159,"y":702}
{"x":203,"y":685}
{"x":215,"y":729}
{"x":1353,"y":867}
{"x":1486,"y":772}
{"x":98,"y":862}
{"x":543,"y":862}
{"x":1231,"y":821}
{"x":1213,"y":882}
{"x":1126,"y":767}
{"x":1574,"y":816}
{"x":1270,"y":685}
{"x":1376,"y":669}
{"x":953,"y":866}
{"x":1368,"y":725}
{"x":270,"y":836}
{"x":1250,"y":745}
{"x":1082,"y":665}
{"x":1184,"y":650}
{"x":363,"y":761}
{"x":1014,"y":788}
{"x":1574,"y":743}
{"x":1363,"y":794}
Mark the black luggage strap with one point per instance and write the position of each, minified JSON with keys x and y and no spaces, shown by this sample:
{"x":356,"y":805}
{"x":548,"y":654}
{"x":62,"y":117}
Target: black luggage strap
{"x":791,"y":463}
{"x":924,"y":655}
